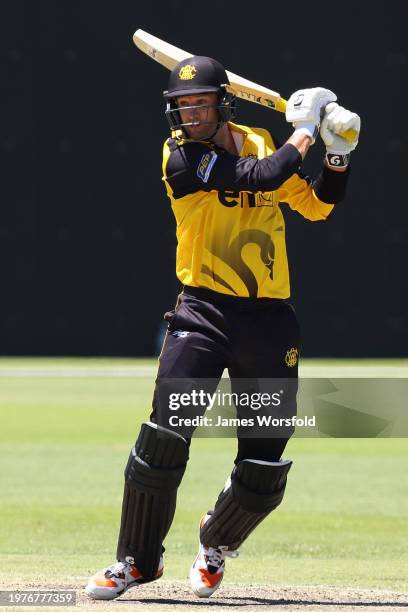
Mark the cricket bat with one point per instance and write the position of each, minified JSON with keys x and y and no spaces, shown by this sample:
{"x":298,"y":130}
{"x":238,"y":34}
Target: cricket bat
{"x":167,"y":55}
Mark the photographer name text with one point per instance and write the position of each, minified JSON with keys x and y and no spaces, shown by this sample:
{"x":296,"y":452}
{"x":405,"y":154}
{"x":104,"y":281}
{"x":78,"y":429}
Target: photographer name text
{"x":259,"y":420}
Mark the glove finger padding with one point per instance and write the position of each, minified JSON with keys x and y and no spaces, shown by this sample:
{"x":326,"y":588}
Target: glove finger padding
{"x":342,"y":119}
{"x":338,"y":119}
{"x":326,"y":134}
{"x":305,"y":105}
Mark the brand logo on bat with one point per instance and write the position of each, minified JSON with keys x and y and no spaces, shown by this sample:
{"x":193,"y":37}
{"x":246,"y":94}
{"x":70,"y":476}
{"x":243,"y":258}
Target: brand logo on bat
{"x":187,"y":72}
{"x":246,"y":95}
{"x":152,"y":52}
{"x":269,"y":103}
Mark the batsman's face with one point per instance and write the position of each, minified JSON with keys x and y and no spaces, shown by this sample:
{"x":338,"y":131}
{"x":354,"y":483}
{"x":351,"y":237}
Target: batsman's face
{"x":201,"y":112}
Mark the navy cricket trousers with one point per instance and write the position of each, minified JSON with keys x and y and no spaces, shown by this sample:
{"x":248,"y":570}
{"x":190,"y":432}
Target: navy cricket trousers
{"x":251,"y":337}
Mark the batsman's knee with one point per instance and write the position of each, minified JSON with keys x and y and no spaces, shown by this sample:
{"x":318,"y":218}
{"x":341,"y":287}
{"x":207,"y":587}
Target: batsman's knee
{"x":157,"y":461}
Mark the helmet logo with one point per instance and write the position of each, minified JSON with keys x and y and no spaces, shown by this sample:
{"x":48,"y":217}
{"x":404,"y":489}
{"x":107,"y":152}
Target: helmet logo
{"x":187,"y":72}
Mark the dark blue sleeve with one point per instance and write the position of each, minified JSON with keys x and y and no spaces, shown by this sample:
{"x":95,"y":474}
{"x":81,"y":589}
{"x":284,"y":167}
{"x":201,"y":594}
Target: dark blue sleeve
{"x":194,"y":166}
{"x":330,"y":186}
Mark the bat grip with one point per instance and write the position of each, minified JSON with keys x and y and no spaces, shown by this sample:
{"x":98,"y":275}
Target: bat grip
{"x":350,"y":135}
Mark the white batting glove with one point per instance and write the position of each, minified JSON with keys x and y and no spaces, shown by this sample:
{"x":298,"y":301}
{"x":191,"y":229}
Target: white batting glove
{"x":305,"y":108}
{"x":338,"y":119}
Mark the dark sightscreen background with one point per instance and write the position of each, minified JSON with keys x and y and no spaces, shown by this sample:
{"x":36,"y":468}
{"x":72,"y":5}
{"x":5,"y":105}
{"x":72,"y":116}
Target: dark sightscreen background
{"x":87,"y":234}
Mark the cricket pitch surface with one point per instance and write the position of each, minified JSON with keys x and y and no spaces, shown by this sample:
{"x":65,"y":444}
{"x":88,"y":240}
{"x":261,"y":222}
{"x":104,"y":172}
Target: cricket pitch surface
{"x":176,"y":596}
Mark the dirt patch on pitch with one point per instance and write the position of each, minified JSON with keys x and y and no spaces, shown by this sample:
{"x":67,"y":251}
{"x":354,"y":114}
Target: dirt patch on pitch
{"x":176,"y":596}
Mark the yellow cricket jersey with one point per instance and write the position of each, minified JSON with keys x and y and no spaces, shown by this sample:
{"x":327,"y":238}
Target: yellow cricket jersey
{"x":230,"y":228}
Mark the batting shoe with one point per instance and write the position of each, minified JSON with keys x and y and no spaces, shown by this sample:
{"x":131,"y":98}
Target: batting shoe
{"x":115,"y":580}
{"x":207,"y":571}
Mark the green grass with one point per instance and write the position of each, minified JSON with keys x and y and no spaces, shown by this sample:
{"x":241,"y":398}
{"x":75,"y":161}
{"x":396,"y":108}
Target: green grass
{"x":64,"y":443}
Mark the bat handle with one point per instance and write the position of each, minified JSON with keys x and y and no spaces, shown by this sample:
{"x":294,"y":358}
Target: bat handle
{"x":350,"y":135}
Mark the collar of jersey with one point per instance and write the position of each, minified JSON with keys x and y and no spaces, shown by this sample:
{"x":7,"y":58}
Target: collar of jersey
{"x":238,"y":128}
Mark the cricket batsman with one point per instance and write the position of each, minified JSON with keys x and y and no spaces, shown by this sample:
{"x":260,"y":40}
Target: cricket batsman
{"x":226,"y":184}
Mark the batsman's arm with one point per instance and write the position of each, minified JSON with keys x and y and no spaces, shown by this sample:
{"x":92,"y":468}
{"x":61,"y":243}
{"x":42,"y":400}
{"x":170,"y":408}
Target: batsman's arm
{"x":315,"y":200}
{"x":301,"y":141}
{"x":194,"y":166}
